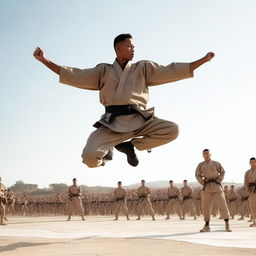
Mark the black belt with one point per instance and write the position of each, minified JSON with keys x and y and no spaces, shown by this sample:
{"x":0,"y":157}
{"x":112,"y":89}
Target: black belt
{"x":142,"y":196}
{"x":210,"y":181}
{"x":252,"y":186}
{"x":186,"y":197}
{"x":172,"y":197}
{"x":118,"y":110}
{"x":233,"y":199}
{"x":244,"y":198}
{"x":120,"y":199}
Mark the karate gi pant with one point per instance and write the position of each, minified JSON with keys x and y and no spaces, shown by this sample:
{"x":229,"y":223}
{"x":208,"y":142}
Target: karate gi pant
{"x":145,"y":204}
{"x":232,"y":208}
{"x":155,"y":133}
{"x":75,"y":206}
{"x":207,"y":202}
{"x":188,"y":207}
{"x":2,"y":211}
{"x":173,"y":206}
{"x":252,"y":204}
{"x":120,"y":206}
{"x":245,"y":211}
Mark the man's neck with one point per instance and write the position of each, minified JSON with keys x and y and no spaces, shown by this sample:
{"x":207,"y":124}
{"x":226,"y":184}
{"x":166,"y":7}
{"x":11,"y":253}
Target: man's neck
{"x":121,"y":62}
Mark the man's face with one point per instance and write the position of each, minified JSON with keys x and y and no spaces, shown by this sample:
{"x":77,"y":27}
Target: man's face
{"x":252,"y":164}
{"x":119,"y":185}
{"x":125,"y":50}
{"x":171,"y":183}
{"x":232,"y":188}
{"x":207,"y":155}
{"x":185,"y":182}
{"x":143,"y":183}
{"x":74,"y":182}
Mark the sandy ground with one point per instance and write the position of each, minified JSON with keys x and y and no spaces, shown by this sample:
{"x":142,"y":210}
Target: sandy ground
{"x":102,"y":236}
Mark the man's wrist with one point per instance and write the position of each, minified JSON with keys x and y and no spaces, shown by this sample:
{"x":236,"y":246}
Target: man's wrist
{"x":44,"y":60}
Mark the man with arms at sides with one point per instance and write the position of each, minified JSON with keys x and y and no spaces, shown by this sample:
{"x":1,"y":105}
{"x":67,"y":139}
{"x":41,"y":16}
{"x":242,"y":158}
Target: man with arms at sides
{"x":210,"y":174}
{"x":120,"y":195}
{"x":75,"y":202}
{"x":124,"y":92}
{"x":250,"y":186}
{"x":173,"y":202}
{"x":144,"y":200}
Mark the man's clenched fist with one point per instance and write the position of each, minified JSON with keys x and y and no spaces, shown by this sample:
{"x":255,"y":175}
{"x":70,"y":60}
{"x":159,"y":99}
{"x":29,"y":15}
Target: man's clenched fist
{"x":39,"y":54}
{"x":209,"y":56}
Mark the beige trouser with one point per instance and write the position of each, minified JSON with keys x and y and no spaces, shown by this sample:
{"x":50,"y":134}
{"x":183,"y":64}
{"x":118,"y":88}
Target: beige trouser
{"x":155,"y":133}
{"x":75,"y":206}
{"x":207,"y":201}
{"x":232,"y":208}
{"x":145,"y":204}
{"x":2,"y":211}
{"x":245,"y":208}
{"x":252,"y":204}
{"x":198,"y":207}
{"x":188,"y":207}
{"x":173,"y":206}
{"x":120,"y":206}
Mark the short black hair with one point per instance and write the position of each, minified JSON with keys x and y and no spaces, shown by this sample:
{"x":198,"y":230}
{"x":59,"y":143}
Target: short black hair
{"x":252,"y":158}
{"x":206,"y":150}
{"x":121,"y":38}
{"x":185,"y":181}
{"x":142,"y":180}
{"x":119,"y":182}
{"x":74,"y":179}
{"x":170,"y":181}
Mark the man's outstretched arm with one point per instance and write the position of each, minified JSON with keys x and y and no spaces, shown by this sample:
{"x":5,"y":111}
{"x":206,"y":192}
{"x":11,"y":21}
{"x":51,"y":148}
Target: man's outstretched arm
{"x":39,"y":55}
{"x":194,"y":65}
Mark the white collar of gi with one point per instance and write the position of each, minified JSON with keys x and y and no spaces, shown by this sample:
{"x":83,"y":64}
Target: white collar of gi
{"x":119,"y":70}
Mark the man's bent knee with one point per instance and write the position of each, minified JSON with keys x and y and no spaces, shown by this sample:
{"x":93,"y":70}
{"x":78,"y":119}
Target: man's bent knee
{"x":90,"y":160}
{"x":172,"y":131}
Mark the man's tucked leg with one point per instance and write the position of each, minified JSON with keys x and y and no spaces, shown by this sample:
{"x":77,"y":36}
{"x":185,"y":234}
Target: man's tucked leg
{"x":99,"y":143}
{"x":155,"y":133}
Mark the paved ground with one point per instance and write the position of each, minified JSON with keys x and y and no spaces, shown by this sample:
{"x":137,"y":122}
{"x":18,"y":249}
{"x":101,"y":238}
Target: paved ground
{"x":103,"y":236}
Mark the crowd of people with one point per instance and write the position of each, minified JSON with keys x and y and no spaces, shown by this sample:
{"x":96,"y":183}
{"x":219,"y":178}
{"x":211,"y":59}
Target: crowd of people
{"x":212,"y":199}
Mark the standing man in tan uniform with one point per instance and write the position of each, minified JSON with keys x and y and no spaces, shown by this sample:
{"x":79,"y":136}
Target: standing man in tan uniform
{"x":75,"y":202}
{"x":244,"y":206}
{"x":144,"y":201}
{"x":250,"y":185}
{"x":120,"y":195}
{"x":187,"y":200}
{"x":173,"y":202}
{"x":124,"y":91}
{"x":2,"y":202}
{"x":210,"y":174}
{"x":232,"y":197}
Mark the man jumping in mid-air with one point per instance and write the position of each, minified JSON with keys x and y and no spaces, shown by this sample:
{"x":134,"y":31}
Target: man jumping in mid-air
{"x":124,"y":91}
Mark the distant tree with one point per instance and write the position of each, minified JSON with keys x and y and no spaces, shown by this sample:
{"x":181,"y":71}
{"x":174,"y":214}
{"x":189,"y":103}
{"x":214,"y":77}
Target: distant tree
{"x":20,"y":186}
{"x":58,"y":187}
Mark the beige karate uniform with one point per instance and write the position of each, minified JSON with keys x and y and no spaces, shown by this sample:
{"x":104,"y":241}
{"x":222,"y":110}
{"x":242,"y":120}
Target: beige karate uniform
{"x":212,"y":191}
{"x":250,"y":177}
{"x":173,"y":203}
{"x":187,"y":204}
{"x":2,"y":203}
{"x":198,"y":202}
{"x":126,"y":87}
{"x":75,"y":203}
{"x":144,"y":201}
{"x":232,"y":197}
{"x":120,"y":195}
{"x":244,"y":195}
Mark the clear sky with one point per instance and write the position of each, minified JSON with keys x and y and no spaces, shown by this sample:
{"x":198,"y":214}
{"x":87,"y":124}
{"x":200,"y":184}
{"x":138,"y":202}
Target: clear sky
{"x":44,"y":124}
